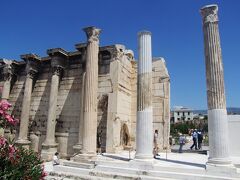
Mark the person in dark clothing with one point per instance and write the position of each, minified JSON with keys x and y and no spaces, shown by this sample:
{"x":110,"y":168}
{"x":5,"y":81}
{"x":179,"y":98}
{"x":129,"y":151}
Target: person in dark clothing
{"x":200,"y":139}
{"x":99,"y":142}
{"x":194,"y":136}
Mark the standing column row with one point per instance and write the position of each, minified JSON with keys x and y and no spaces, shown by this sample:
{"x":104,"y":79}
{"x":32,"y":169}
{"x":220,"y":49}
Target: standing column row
{"x":144,"y":143}
{"x":217,"y":114}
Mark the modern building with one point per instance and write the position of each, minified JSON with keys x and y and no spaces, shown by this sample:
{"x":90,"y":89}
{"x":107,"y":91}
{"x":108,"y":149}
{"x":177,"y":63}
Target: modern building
{"x":181,"y":114}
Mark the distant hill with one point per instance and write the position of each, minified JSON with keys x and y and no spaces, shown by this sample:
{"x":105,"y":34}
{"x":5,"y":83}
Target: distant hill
{"x":230,"y":110}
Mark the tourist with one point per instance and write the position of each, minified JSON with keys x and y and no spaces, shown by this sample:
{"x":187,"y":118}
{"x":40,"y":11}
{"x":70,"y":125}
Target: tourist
{"x":181,"y":141}
{"x":56,"y":159}
{"x":155,"y":149}
{"x":194,"y":137}
{"x":99,"y":142}
{"x":200,"y":139}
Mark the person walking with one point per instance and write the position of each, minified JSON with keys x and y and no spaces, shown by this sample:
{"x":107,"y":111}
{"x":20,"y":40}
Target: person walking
{"x":194,"y":137}
{"x":181,"y":141}
{"x":99,"y":142}
{"x":155,"y":149}
{"x":200,"y":139}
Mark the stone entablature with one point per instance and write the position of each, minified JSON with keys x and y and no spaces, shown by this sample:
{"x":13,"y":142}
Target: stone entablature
{"x":116,"y":96}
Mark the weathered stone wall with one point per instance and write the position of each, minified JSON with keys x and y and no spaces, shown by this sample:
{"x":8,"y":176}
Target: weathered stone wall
{"x":117,"y":100}
{"x":161,"y":103}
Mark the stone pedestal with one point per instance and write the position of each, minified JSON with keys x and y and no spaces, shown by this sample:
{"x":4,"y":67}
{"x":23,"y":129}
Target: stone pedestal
{"x":32,"y":62}
{"x":217,"y":114}
{"x":144,"y":136}
{"x":58,"y":62}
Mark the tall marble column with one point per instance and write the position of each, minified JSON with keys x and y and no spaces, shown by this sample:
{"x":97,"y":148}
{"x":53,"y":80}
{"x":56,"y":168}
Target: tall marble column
{"x":217,"y":114}
{"x":90,"y":89}
{"x":58,"y":60}
{"x":32,"y":61}
{"x":8,"y":75}
{"x":144,"y":136}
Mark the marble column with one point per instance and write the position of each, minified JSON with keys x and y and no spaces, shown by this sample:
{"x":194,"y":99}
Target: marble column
{"x":144,"y":136}
{"x":8,"y":75}
{"x":217,"y":114}
{"x":32,"y":69}
{"x":91,"y":89}
{"x":58,"y":59}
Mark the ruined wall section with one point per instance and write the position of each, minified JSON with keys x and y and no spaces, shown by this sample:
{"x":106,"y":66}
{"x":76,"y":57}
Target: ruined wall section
{"x":161,"y":102}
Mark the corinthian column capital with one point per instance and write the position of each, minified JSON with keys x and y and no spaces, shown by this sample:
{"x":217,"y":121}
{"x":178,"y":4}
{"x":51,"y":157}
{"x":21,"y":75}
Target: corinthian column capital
{"x":31,"y":73}
{"x":57,"y":70}
{"x":209,"y":13}
{"x":8,"y":70}
{"x":92,"y":34}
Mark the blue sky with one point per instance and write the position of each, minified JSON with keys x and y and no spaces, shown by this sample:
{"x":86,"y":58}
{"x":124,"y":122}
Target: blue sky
{"x":34,"y":26}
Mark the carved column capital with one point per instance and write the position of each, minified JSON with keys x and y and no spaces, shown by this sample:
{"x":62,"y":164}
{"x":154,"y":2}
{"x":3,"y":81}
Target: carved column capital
{"x":57,"y":70}
{"x":31,"y":73}
{"x":8,"y":69}
{"x":209,"y":14}
{"x":92,"y":34}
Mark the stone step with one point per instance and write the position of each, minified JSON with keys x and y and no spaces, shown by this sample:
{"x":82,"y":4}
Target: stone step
{"x":66,"y":173}
{"x":167,"y":173}
{"x":191,"y":151}
{"x":78,"y":164}
{"x":111,"y":172}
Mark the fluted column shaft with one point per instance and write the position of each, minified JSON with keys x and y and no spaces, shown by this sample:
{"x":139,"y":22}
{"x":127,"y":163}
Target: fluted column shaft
{"x":90,"y":89}
{"x":217,"y":114}
{"x":51,"y":123}
{"x":144,"y":144}
{"x":24,"y":121}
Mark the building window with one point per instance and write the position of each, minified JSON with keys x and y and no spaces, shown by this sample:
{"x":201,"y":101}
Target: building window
{"x":188,"y":118}
{"x":178,"y":113}
{"x":178,"y":118}
{"x":188,"y":113}
{"x":183,"y":113}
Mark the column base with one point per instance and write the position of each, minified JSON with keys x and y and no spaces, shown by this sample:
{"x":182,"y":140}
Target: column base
{"x":77,"y":148}
{"x":85,"y":158}
{"x":143,"y":164}
{"x":219,"y":162}
{"x":144,"y":157}
{"x":224,"y":169}
{"x":48,"y":150}
{"x":23,"y":143}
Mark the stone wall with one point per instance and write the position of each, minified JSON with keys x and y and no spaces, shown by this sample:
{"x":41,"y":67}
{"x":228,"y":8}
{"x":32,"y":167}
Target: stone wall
{"x":117,"y":88}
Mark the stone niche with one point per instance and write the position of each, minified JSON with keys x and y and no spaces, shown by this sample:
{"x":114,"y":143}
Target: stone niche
{"x":116,"y":99}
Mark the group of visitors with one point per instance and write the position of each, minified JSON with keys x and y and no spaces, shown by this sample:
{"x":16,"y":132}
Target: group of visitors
{"x":197,"y":139}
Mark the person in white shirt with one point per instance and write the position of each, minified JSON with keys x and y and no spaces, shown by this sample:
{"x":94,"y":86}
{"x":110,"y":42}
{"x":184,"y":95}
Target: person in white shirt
{"x":56,"y":159}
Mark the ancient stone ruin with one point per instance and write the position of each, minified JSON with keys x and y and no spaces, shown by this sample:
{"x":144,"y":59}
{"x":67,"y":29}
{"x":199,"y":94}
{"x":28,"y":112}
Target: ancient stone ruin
{"x":64,"y":99}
